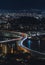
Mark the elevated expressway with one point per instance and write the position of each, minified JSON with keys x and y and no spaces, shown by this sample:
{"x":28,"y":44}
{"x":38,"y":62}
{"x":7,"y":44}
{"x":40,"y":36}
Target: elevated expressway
{"x":11,"y":38}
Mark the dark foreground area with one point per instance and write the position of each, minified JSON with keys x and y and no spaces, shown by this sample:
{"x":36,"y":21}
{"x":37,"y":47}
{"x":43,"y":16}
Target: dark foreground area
{"x":30,"y":62}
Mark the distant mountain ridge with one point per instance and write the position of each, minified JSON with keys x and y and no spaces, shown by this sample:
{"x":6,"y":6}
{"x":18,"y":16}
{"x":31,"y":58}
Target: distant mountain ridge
{"x":25,"y":11}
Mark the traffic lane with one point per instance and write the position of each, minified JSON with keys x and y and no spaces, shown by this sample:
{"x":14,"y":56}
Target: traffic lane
{"x":10,"y":40}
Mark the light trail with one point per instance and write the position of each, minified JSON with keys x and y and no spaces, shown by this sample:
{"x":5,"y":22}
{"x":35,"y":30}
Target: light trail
{"x":19,"y":36}
{"x":21,"y":44}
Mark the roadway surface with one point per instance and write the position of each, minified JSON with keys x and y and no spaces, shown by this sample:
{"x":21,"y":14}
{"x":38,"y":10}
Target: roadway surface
{"x":19,"y":35}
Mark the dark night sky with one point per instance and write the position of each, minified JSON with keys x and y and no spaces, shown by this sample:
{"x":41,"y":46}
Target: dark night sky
{"x":22,"y":4}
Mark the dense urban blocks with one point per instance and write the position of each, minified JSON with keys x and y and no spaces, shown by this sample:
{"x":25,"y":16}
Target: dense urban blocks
{"x":22,"y":22}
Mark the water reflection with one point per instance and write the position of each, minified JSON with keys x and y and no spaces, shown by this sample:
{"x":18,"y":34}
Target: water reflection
{"x":31,"y":44}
